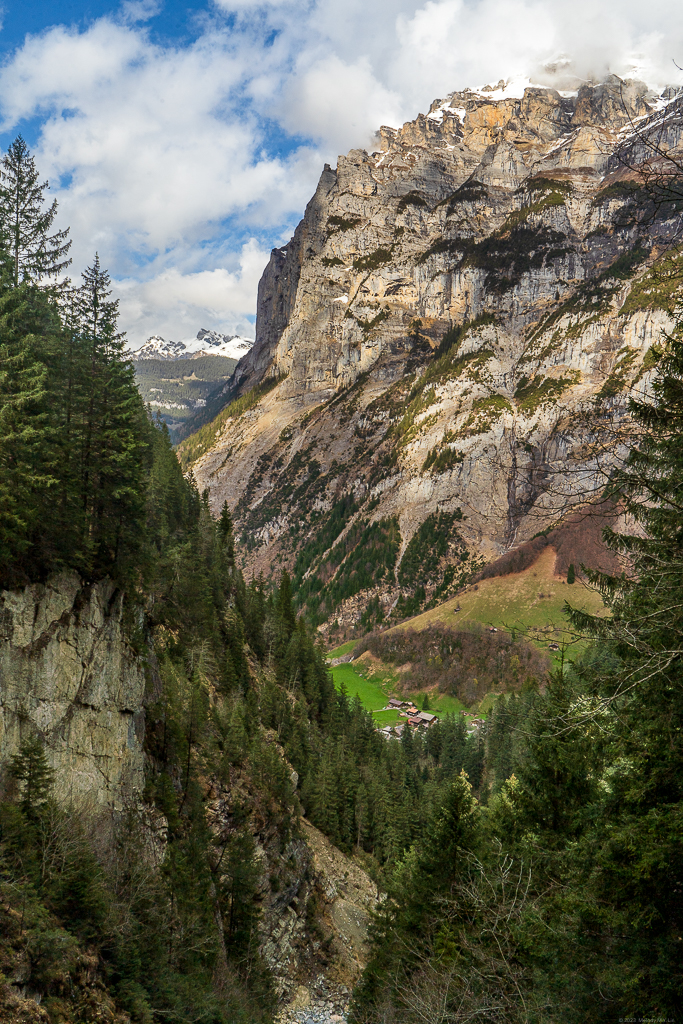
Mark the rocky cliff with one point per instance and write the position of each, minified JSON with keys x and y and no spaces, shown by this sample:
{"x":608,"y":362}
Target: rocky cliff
{"x":68,"y":675}
{"x":453,"y":316}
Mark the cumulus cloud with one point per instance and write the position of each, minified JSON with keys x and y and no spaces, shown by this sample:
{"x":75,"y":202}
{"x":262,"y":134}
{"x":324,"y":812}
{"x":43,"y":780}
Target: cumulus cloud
{"x":176,"y":304}
{"x":453,"y":41}
{"x":183,"y":162}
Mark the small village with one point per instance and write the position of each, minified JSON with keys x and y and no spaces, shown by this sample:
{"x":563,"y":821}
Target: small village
{"x":419,"y":719}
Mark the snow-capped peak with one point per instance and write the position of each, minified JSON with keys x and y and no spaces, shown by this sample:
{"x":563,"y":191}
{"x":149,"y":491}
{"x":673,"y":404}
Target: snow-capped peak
{"x":211,"y":343}
{"x":207,"y":343}
{"x":157,"y":347}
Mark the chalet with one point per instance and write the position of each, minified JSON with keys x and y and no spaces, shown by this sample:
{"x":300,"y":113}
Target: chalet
{"x":553,"y":647}
{"x":387,"y":732}
{"x":395,"y":703}
{"x":475,"y":725}
{"x":422,"y":718}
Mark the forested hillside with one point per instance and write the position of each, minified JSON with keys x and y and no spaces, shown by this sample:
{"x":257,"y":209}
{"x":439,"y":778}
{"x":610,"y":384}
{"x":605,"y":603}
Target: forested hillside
{"x":177,"y":388}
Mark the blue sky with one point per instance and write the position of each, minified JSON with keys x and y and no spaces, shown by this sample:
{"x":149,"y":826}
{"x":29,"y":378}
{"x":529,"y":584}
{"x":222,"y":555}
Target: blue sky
{"x":183,"y":140}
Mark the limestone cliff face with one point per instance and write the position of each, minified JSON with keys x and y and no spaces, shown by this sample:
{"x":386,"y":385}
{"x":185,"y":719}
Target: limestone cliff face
{"x":323,"y":885}
{"x":521,"y":221}
{"x":68,"y":675}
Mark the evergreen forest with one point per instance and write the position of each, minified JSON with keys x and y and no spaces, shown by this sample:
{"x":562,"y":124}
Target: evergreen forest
{"x":531,"y":872}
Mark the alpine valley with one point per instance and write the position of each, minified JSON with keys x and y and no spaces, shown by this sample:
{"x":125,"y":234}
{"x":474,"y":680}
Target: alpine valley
{"x":458,"y":318}
{"x":340,"y":671}
{"x":176,"y":391}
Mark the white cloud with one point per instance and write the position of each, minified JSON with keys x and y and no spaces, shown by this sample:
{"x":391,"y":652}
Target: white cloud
{"x":340,"y":104}
{"x":176,"y":304}
{"x":166,"y":157}
{"x":139,"y":10}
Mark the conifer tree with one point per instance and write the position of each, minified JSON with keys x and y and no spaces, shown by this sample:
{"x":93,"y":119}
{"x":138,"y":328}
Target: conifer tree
{"x":225,"y":522}
{"x":113,"y":431}
{"x":285,"y":606}
{"x":30,"y":767}
{"x":638,"y":685}
{"x":30,"y":462}
{"x":25,"y":224}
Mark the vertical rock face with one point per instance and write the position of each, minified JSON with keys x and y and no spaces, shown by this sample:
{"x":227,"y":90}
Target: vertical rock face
{"x":520,"y":225}
{"x":68,"y":675}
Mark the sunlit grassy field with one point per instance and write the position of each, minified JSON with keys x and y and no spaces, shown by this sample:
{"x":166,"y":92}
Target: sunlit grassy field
{"x":374,"y":693}
{"x":346,"y":648}
{"x":530,"y":602}
{"x":374,"y":689}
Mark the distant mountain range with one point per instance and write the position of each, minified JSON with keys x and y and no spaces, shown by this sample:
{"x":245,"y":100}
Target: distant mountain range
{"x":207,"y":343}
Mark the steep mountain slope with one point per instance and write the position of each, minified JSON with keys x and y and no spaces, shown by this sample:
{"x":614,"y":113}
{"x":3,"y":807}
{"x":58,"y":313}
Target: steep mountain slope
{"x":446,"y":345}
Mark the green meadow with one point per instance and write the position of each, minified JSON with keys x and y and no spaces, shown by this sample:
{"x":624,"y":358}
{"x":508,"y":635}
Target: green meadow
{"x":372,"y":692}
{"x":530,"y":602}
{"x":376,"y":688}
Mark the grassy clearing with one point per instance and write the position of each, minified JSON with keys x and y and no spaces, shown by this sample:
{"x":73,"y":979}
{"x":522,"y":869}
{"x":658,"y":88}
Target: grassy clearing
{"x":530,"y":602}
{"x":373,"y":692}
{"x":346,"y":648}
{"x":439,"y":703}
{"x":375,"y":686}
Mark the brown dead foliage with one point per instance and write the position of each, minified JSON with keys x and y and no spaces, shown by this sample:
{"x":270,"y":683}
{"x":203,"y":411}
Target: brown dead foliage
{"x":463,"y":663}
{"x":578,"y":541}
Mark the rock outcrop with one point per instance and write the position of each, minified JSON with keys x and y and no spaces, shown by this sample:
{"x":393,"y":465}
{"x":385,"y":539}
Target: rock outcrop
{"x":315,"y":932}
{"x":69,"y":676}
{"x":454,"y":318}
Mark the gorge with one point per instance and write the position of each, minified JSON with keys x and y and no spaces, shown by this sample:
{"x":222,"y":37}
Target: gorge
{"x":465,"y":385}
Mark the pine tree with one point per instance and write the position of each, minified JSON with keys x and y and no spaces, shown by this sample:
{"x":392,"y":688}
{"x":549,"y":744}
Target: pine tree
{"x":30,"y":456}
{"x":30,"y":767}
{"x":630,"y":917}
{"x":571,"y":573}
{"x":112,"y":431}
{"x":404,"y":923}
{"x":225,"y":522}
{"x":285,"y":604}
{"x":24,"y":223}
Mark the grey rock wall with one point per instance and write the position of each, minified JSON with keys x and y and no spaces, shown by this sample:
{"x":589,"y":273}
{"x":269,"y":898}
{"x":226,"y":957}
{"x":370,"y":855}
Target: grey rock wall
{"x":503,"y":216}
{"x":69,"y":676}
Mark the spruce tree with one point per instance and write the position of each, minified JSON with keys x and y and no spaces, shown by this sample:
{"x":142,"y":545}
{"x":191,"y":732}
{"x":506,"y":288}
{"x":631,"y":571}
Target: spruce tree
{"x":630,"y":860}
{"x":30,"y":462}
{"x":112,"y":432}
{"x":30,"y":767}
{"x":25,"y":224}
